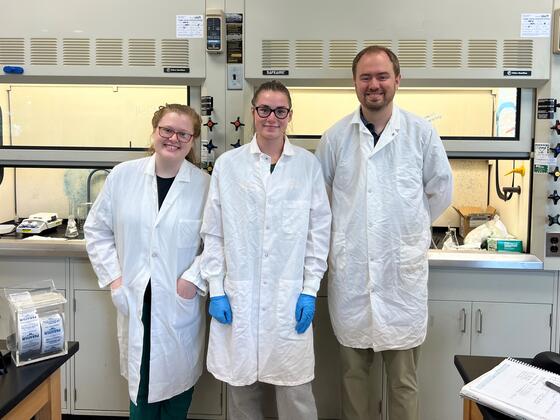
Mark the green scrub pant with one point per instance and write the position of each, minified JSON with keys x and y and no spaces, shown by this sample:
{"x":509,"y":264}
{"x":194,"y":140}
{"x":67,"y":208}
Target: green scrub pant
{"x":402,"y":382}
{"x":175,"y":408}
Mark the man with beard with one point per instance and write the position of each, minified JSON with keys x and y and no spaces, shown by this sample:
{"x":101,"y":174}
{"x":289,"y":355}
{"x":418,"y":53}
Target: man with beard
{"x":388,"y":178}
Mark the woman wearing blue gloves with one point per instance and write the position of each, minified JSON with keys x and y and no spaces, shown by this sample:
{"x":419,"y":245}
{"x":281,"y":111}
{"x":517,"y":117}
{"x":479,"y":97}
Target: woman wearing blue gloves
{"x":266,"y":231}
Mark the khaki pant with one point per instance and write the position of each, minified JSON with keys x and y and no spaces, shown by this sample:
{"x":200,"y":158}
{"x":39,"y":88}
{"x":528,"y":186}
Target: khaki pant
{"x":293,"y":402}
{"x":402,"y":382}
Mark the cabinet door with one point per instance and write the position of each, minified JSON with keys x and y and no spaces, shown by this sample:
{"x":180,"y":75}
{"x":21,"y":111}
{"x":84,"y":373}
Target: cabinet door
{"x":18,"y":271}
{"x":98,"y":384}
{"x":510,"y":329}
{"x":449,"y":325}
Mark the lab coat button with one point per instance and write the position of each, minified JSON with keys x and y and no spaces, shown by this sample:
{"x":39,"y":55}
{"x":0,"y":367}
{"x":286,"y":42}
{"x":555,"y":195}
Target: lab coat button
{"x":370,"y":224}
{"x":154,"y":254}
{"x":370,"y":190}
{"x":266,"y":254}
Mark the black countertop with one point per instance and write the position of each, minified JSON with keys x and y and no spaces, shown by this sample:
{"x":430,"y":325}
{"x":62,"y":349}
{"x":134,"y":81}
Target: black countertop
{"x":19,"y":382}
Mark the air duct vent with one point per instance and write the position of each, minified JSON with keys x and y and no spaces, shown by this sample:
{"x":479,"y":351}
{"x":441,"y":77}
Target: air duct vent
{"x":175,"y":53}
{"x":141,"y":52}
{"x":483,"y":53}
{"x":446,"y":53}
{"x":109,"y":52}
{"x":43,"y":51}
{"x":518,"y":53}
{"x":76,"y":51}
{"x":413,"y":53}
{"x":341,"y":53}
{"x":387,"y":43}
{"x":275,"y":54}
{"x":309,"y":54}
{"x":12,"y":51}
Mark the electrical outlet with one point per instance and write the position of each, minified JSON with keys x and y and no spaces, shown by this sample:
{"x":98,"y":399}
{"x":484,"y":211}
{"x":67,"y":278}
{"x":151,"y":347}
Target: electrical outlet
{"x":553,"y":244}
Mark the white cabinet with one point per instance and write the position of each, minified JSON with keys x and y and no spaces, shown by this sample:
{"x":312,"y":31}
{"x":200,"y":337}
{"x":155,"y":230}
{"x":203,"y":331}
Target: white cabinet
{"x":21,"y":272}
{"x":98,"y":384}
{"x":510,"y":329}
{"x":483,"y":313}
{"x":449,"y":326}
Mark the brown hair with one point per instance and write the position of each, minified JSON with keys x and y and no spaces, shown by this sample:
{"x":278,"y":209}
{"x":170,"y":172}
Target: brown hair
{"x":275,"y":86}
{"x":181,"y":110}
{"x":375,"y":49}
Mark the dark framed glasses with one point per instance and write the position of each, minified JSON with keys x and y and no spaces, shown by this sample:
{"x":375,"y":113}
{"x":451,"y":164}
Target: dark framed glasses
{"x":167,"y":133}
{"x":280,"y":112}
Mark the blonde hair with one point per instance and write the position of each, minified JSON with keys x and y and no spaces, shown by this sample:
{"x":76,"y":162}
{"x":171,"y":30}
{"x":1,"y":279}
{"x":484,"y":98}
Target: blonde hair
{"x":181,"y":110}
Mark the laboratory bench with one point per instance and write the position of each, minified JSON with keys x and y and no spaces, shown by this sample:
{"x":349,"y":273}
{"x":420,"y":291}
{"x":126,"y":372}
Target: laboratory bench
{"x":479,"y":304}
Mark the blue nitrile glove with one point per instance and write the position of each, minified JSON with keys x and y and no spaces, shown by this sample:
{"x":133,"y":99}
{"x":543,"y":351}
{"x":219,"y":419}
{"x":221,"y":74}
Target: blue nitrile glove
{"x":305,"y":309}
{"x":220,"y":309}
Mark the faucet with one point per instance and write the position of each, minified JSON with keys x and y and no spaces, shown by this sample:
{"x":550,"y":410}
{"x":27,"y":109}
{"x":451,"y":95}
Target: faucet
{"x":88,"y":184}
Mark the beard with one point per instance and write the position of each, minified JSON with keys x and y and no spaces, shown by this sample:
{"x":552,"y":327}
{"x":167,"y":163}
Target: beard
{"x":384,"y":100}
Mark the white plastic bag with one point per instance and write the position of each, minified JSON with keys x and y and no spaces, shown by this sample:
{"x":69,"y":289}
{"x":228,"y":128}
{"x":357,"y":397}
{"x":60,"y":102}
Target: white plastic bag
{"x":492,"y":228}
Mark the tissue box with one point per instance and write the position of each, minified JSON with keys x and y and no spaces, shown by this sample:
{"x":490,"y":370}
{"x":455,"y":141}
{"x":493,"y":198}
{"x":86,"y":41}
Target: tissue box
{"x":505,"y":245}
{"x":472,"y":217}
{"x":37,"y":325}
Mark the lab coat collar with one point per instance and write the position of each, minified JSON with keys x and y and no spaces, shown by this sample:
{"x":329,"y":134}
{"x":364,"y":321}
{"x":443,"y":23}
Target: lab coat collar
{"x":394,"y":123}
{"x":184,"y":174}
{"x":387,"y":136}
{"x":288,"y":149}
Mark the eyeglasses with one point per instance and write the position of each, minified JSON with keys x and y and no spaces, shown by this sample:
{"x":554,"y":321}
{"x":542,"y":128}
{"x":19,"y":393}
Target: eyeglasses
{"x":167,"y":133}
{"x":280,"y":112}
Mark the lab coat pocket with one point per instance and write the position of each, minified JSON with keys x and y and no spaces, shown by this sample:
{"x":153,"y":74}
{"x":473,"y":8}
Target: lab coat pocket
{"x":288,"y":294}
{"x":118,"y":296}
{"x":295,"y":217}
{"x":188,"y":233}
{"x":187,"y":311}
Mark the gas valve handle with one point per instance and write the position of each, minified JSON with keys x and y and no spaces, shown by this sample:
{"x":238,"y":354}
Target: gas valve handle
{"x":555,"y":173}
{"x":553,"y":220}
{"x":554,"y":197}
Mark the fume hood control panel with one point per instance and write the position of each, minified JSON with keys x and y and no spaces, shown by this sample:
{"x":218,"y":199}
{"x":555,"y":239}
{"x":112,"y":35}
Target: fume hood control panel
{"x":214,"y":31}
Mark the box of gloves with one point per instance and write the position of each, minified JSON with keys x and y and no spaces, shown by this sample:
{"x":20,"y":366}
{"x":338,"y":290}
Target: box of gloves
{"x":37,"y":329}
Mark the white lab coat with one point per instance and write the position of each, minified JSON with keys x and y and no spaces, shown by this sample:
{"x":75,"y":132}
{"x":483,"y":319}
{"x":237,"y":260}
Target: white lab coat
{"x":383,"y":201}
{"x":266,"y":239}
{"x":127,"y":235}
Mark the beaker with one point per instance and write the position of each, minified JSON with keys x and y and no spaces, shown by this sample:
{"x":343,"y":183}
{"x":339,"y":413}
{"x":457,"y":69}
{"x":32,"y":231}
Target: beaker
{"x":82,"y":212}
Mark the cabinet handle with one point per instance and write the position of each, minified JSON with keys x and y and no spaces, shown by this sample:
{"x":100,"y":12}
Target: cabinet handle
{"x":464,"y":317}
{"x":479,"y":316}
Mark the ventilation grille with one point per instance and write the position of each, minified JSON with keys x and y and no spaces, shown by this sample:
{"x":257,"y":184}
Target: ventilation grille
{"x":175,"y":53}
{"x":518,"y":53}
{"x":446,"y":53}
{"x":275,"y":54}
{"x":309,"y":54}
{"x":142,"y":52}
{"x":76,"y":51}
{"x":381,"y":42}
{"x":341,"y":53}
{"x":43,"y":51}
{"x":109,"y":52}
{"x":12,"y":51}
{"x":483,"y":53}
{"x":413,"y":53}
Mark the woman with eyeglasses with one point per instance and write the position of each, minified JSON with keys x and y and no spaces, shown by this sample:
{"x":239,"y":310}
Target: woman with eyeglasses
{"x":266,"y":232}
{"x":142,"y":237}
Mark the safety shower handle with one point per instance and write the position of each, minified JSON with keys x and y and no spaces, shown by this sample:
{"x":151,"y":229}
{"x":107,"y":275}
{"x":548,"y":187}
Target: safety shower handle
{"x":479,"y":321}
{"x":463,"y":318}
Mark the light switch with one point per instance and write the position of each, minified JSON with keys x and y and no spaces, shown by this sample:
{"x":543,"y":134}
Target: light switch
{"x":235,"y":76}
